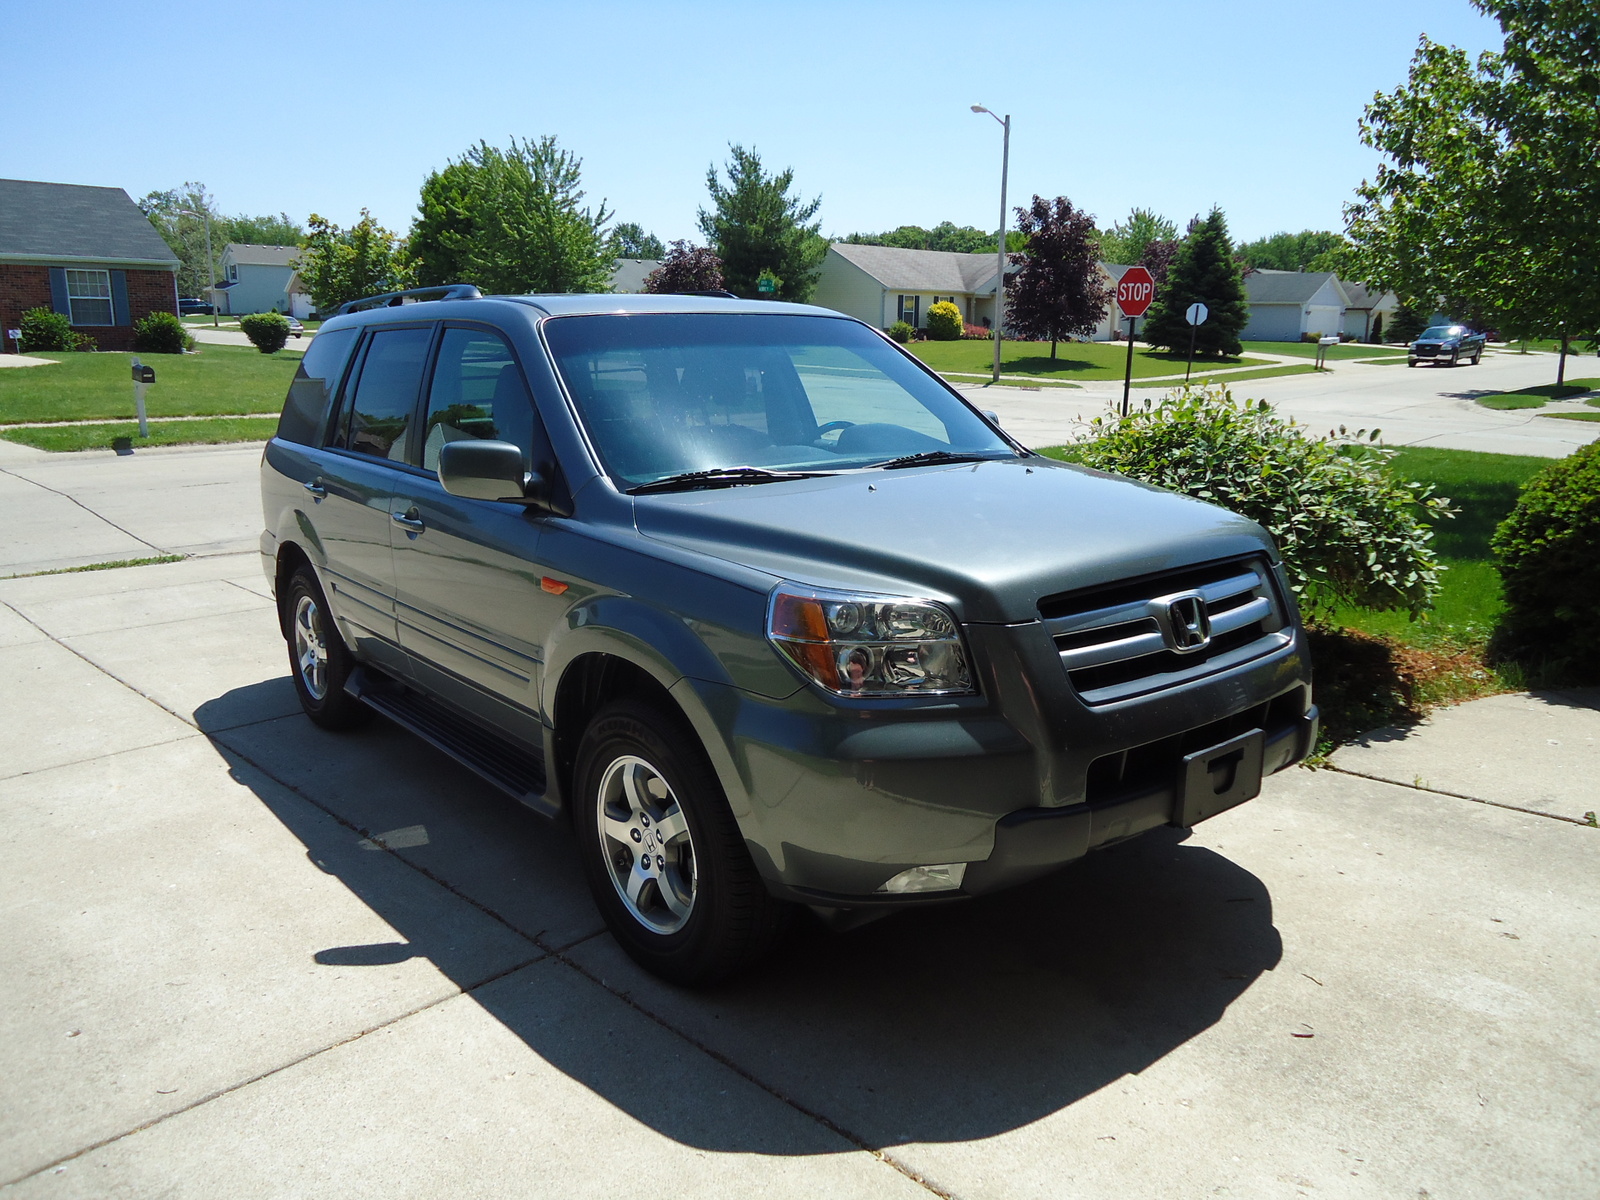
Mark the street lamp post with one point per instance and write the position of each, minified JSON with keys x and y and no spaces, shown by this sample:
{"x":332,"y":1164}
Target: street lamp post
{"x":1000,"y":257}
{"x":211,"y":267}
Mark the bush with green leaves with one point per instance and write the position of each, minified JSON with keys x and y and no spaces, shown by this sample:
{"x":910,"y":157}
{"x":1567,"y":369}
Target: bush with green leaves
{"x":902,"y":332}
{"x":1549,"y":560}
{"x":161,"y":333}
{"x":45,"y":329}
{"x":1348,"y":531}
{"x":944,"y":322}
{"x":267,"y":331}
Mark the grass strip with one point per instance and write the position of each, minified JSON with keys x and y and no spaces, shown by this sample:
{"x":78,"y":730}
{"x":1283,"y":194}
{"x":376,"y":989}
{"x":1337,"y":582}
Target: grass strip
{"x":1030,"y":385}
{"x":1073,"y":361}
{"x":70,"y":438}
{"x":1540,"y":394}
{"x":1267,"y":373}
{"x":114,"y":565}
{"x":1572,"y":416}
{"x":215,"y":381}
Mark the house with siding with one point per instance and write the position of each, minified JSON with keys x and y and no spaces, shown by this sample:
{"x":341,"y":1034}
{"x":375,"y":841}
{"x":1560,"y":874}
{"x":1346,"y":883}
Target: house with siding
{"x":1369,"y":312}
{"x":255,"y":279}
{"x":1286,"y":304}
{"x":628,"y":274}
{"x":85,"y":252}
{"x":884,"y":284}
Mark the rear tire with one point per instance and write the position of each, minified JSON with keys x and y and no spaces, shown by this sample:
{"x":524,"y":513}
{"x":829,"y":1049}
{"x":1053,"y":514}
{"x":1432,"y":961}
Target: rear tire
{"x":319,"y":661}
{"x":664,"y":858}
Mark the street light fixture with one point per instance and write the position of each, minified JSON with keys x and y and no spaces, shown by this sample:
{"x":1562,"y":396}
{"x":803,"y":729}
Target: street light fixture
{"x":1000,"y":264}
{"x":211,"y":267}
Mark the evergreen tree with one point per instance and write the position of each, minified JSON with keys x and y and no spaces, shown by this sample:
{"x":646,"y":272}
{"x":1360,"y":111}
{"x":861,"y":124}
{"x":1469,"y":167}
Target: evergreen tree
{"x":755,"y":225}
{"x":1204,"y":270}
{"x":1058,"y":291}
{"x":685,"y":268}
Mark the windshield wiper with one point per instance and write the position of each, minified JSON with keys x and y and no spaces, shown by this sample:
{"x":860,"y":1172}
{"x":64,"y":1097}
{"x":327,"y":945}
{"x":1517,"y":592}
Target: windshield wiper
{"x":720,"y":477}
{"x":931,"y":457}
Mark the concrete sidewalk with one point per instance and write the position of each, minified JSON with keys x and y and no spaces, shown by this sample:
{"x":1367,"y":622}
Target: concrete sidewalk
{"x":248,"y":958}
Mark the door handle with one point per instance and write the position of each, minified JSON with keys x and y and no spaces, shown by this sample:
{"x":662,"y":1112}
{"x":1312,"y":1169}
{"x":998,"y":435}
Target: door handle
{"x":408,"y":520}
{"x":316,"y":487}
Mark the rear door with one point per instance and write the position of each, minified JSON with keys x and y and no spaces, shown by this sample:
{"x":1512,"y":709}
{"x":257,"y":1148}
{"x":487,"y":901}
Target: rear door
{"x":368,"y":443}
{"x":473,"y":608}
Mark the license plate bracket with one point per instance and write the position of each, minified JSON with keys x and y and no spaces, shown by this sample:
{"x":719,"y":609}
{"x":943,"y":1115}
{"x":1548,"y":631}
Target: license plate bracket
{"x":1219,"y":777}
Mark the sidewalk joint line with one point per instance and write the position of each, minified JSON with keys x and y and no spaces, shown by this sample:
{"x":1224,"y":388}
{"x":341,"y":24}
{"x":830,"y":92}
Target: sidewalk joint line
{"x":1417,"y":787}
{"x":87,"y":509}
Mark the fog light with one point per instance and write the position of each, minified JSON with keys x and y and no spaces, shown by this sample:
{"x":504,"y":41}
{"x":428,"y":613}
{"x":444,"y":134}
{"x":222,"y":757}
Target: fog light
{"x":945,"y":877}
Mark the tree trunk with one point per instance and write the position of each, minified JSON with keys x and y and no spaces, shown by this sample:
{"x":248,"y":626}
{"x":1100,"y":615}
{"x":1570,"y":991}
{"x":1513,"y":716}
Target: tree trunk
{"x":1561,"y":366}
{"x":1052,"y":349}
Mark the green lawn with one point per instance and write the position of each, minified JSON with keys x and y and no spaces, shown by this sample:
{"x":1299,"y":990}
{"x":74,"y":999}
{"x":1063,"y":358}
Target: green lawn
{"x":1244,"y":376}
{"x":1540,"y":394}
{"x":1308,"y":350}
{"x":1484,"y":487}
{"x":1572,"y":416}
{"x":216,"y":380}
{"x":1074,"y":360}
{"x":162,"y":433}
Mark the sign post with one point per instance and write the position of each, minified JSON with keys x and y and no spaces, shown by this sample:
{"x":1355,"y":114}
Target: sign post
{"x":1135,"y":291}
{"x":1196,"y":315}
{"x":16,"y":336}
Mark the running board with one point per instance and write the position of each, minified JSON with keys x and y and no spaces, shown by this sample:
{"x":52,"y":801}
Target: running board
{"x":497,"y":760}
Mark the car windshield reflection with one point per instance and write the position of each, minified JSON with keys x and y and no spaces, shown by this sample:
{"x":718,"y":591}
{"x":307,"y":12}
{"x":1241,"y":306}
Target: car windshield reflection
{"x":666,"y":394}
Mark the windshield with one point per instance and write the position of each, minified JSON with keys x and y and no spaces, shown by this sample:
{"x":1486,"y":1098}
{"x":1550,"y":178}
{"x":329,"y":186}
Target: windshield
{"x":1439,"y":332}
{"x":669,"y":393}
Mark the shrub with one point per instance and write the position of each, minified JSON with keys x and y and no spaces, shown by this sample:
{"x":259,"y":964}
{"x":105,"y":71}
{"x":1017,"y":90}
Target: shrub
{"x":901,"y":332}
{"x":976,"y":333}
{"x":1377,"y":330}
{"x":46,"y":329}
{"x":1348,"y":531}
{"x":266,"y":331}
{"x":161,"y":333}
{"x":944,"y":322}
{"x":1549,"y":559}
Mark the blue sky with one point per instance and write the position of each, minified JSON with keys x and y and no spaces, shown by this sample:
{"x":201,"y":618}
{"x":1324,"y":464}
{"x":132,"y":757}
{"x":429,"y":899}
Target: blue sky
{"x":332,"y":106}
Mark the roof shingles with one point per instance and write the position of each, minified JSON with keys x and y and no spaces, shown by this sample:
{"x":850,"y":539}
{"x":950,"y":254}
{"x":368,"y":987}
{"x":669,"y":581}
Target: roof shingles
{"x":70,"y":222}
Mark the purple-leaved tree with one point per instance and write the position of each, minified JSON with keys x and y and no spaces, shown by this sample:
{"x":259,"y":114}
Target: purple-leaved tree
{"x":685,"y":269}
{"x":1059,"y":291}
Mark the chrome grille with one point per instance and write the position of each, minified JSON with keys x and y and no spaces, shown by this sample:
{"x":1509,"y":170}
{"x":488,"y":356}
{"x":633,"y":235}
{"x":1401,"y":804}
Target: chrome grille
{"x":1131,"y":640}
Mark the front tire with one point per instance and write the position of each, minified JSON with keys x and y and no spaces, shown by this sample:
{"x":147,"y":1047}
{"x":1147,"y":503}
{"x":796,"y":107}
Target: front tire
{"x":319,"y":661}
{"x":664,"y":858}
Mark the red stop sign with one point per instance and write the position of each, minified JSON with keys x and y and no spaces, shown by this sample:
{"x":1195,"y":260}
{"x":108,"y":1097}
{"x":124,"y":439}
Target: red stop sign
{"x":1135,"y":291}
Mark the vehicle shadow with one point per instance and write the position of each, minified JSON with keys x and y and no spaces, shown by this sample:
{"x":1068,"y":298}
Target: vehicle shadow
{"x":948,"y":1023}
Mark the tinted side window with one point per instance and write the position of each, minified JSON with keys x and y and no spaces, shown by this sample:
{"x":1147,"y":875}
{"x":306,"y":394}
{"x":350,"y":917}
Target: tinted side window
{"x":377,"y":416}
{"x":305,"y":413}
{"x":477,"y":392}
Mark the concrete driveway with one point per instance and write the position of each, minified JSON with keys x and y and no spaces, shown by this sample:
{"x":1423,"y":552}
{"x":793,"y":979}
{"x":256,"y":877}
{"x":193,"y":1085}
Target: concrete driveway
{"x":247,"y":958}
{"x":1425,"y":406}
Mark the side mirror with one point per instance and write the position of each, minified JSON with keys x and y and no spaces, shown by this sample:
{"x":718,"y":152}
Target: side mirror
{"x":481,"y":470}
{"x":994,"y":417}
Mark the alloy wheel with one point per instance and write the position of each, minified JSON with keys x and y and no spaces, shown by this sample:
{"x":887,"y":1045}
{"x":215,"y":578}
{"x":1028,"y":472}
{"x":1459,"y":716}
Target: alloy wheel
{"x":311,"y":648}
{"x":649,"y":853}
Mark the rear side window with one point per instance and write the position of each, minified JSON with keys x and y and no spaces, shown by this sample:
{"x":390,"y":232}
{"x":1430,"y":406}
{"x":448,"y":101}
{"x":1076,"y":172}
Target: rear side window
{"x":376,"y":416}
{"x":305,"y":413}
{"x":477,"y":392}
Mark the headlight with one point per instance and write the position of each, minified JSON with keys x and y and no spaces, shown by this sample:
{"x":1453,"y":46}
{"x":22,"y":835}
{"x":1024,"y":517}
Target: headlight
{"x":863,"y":645}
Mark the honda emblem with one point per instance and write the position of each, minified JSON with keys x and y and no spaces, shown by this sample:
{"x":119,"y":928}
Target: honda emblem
{"x":1188,"y":624}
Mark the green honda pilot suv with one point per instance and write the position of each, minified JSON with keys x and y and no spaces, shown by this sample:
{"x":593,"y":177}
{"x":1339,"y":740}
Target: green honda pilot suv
{"x":761,"y":605}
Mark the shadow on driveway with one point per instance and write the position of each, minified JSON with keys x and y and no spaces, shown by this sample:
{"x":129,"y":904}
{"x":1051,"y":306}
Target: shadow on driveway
{"x":945,"y":1024}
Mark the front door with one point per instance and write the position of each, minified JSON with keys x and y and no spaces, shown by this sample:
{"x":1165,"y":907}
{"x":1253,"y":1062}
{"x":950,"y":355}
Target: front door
{"x":473,"y":613}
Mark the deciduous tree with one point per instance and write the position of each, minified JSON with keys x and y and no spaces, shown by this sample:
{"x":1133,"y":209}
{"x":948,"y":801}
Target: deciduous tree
{"x":1488,"y":204}
{"x":629,"y":240}
{"x":1302,"y":251}
{"x":685,"y":269}
{"x":1126,"y":241}
{"x":1204,"y":270}
{"x":755,"y":225}
{"x":340,"y":265}
{"x":1058,"y":291}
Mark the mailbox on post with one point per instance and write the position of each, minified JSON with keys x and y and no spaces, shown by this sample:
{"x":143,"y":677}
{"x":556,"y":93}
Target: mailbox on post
{"x":143,"y":377}
{"x":1322,"y":350}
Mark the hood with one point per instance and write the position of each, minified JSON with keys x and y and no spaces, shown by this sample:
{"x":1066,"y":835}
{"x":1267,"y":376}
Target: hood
{"x":991,"y":538}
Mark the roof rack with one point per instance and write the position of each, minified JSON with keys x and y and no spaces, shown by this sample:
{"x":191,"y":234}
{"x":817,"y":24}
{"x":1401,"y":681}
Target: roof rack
{"x":446,"y":291}
{"x":714,"y":293}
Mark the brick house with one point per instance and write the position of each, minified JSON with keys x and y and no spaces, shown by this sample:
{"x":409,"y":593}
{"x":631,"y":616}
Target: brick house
{"x":87,"y":252}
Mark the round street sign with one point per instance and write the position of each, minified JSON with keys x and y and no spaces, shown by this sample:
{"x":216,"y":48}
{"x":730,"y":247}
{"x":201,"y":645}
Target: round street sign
{"x":1197,"y":313}
{"x":1135,"y":291}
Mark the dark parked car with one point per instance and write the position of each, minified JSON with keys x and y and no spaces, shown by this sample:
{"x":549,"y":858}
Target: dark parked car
{"x":191,"y":306}
{"x":761,"y":606}
{"x":1447,"y":344}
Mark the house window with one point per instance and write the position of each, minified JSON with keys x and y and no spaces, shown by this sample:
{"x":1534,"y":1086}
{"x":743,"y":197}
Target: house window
{"x":89,"y":297}
{"x":908,"y":309}
{"x":233,"y":271}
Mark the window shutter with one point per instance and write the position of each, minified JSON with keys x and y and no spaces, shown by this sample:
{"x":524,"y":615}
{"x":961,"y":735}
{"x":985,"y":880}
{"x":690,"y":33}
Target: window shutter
{"x":58,"y":292}
{"x":119,"y":298}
